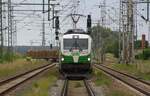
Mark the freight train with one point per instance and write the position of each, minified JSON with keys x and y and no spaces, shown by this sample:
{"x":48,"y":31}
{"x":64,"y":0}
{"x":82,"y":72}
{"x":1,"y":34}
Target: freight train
{"x":52,"y":55}
{"x":75,"y":54}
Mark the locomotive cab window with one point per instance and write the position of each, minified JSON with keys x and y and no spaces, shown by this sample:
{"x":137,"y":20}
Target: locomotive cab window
{"x":81,"y":44}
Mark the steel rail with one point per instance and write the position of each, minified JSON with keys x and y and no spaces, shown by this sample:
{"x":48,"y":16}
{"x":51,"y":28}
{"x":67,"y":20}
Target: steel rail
{"x":19,"y":75}
{"x":139,"y":85}
{"x":89,"y":89}
{"x":64,"y":91}
{"x":8,"y":85}
{"x":145,"y":82}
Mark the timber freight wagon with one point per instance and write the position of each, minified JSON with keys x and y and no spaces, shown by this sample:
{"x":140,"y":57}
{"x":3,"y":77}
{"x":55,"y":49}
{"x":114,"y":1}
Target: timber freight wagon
{"x":44,"y":54}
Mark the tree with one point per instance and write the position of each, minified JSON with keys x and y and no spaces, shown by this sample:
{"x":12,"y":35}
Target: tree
{"x":105,"y":39}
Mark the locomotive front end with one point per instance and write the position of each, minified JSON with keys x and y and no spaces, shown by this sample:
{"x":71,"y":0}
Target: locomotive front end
{"x":75,"y":58}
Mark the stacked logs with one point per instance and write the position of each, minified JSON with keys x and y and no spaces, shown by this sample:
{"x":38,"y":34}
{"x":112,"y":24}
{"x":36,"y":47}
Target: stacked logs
{"x":43,"y":54}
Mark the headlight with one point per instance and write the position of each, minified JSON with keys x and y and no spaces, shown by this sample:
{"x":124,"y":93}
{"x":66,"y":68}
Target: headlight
{"x":89,"y":59}
{"x":62,"y":59}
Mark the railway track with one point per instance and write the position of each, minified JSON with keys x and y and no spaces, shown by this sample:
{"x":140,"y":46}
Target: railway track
{"x":137,"y":84}
{"x":89,"y":90}
{"x":65,"y":88}
{"x":8,"y":85}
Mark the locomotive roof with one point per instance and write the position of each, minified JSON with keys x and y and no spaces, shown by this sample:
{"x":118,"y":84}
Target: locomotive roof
{"x":76,"y":31}
{"x":79,"y":35}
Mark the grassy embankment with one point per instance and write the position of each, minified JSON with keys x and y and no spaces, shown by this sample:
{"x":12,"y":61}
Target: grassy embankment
{"x":9,"y":69}
{"x":140,"y":69}
{"x":110,"y":87}
{"x":41,"y":86}
{"x":9,"y":57}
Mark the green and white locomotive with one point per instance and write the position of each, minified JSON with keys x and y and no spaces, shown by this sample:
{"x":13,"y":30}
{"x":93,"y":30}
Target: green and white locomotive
{"x":75,"y":53}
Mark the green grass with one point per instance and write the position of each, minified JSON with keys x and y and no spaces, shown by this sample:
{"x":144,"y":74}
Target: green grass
{"x":144,"y":76}
{"x":110,"y":88}
{"x":18,"y":66}
{"x":41,"y":86}
{"x":78,"y":84}
{"x":141,"y":70}
{"x":130,"y":68}
{"x":117,"y":93}
{"x":101,"y":79}
{"x":9,"y":57}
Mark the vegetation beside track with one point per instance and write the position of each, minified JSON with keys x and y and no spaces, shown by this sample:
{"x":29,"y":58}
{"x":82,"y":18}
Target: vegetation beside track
{"x":10,"y":69}
{"x":110,"y":87}
{"x":101,"y":79}
{"x":6,"y":57}
{"x":41,"y":86}
{"x":140,"y":69}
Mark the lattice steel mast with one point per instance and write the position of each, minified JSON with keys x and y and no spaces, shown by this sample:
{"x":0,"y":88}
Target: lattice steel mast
{"x":43,"y":26}
{"x":127,"y":31}
{"x":103,"y":20}
{"x":10,"y":10}
{"x":1,"y":29}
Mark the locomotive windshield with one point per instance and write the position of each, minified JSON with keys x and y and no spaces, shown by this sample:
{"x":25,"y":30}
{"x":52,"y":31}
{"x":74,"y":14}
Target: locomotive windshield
{"x":81,"y":44}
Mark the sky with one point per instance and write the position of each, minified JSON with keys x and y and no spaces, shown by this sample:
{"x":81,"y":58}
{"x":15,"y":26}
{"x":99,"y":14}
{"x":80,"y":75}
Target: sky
{"x":29,"y":24}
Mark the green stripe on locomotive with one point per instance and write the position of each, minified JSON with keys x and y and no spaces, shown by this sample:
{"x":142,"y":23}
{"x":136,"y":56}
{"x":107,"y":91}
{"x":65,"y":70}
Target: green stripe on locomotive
{"x":81,"y":60}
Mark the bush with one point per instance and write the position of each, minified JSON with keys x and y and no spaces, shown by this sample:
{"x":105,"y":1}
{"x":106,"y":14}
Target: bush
{"x":8,"y":57}
{"x":139,"y":56}
{"x":145,"y":55}
{"x":138,"y":44}
{"x":29,"y":59}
